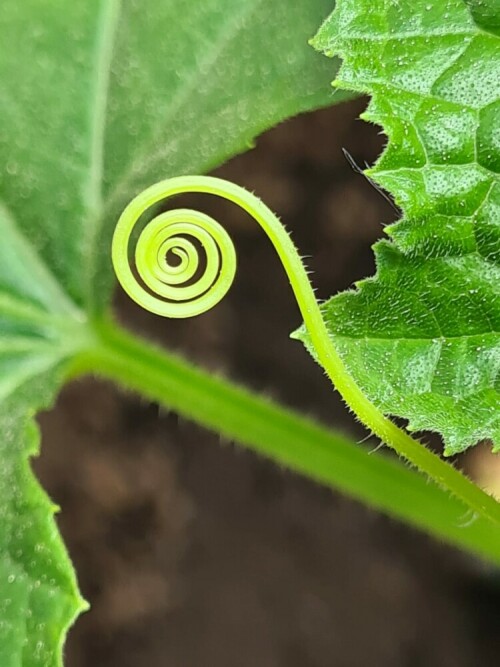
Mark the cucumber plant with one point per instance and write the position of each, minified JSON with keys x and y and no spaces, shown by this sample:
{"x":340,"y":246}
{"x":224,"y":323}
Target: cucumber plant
{"x":99,"y":100}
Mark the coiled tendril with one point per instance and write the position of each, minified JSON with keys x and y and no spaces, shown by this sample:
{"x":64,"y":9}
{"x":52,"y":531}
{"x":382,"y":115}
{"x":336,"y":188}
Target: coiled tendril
{"x":174,"y":288}
{"x":177,"y":290}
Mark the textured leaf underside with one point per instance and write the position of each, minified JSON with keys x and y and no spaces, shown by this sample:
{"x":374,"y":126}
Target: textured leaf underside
{"x":422,"y":336}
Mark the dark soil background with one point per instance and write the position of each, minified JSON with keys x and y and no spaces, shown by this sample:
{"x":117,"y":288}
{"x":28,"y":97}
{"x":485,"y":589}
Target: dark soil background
{"x":196,"y":553}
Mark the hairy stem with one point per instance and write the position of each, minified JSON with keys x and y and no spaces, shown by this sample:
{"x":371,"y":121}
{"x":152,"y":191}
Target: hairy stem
{"x":287,"y":438}
{"x":152,"y":264}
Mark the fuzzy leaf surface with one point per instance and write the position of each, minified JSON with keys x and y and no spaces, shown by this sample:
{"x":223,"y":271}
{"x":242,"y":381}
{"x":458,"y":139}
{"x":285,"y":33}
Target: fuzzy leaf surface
{"x":99,"y":98}
{"x":422,"y":336}
{"x":39,"y":330}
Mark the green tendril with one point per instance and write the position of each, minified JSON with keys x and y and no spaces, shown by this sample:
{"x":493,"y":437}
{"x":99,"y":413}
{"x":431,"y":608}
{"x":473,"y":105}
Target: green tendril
{"x":186,"y":288}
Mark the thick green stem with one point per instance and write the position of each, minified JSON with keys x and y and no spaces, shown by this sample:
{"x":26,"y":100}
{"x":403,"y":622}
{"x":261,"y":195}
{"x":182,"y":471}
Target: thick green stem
{"x":289,"y":439}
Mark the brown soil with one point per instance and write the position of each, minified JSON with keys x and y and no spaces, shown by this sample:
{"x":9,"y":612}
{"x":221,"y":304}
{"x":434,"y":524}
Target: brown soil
{"x":196,"y":553}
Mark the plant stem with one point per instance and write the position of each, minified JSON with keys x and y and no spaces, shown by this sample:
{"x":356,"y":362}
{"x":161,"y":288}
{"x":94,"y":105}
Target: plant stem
{"x":290,"y":440}
{"x":366,"y":411}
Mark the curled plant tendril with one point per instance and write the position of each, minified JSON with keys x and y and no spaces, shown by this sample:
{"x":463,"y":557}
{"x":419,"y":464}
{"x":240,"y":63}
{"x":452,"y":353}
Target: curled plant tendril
{"x":176,"y":290}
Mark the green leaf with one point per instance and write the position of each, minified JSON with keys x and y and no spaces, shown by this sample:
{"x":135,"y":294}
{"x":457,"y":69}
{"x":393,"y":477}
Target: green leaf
{"x":422,"y":338}
{"x":107,"y":97}
{"x":99,"y":98}
{"x":39,"y":330}
{"x":39,"y":596}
